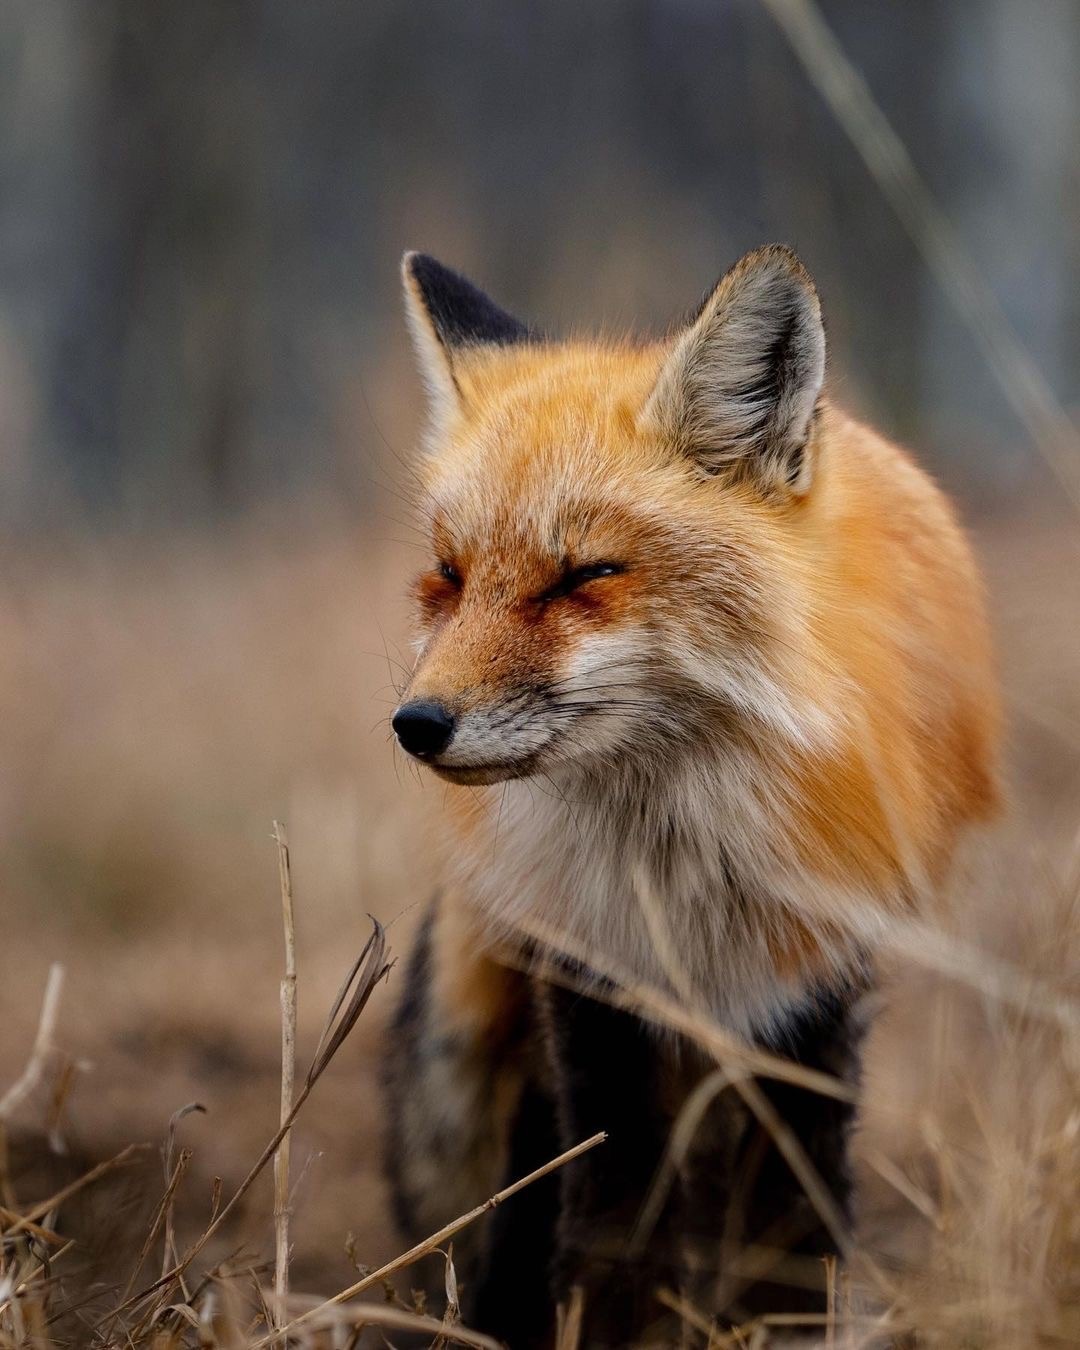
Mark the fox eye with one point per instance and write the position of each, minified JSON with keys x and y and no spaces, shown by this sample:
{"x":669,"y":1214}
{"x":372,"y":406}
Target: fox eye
{"x":575,"y":577}
{"x":449,"y":573}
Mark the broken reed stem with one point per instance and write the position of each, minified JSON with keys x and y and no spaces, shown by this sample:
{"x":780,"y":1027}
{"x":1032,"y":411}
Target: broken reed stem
{"x":436,"y":1240}
{"x":355,"y":1317}
{"x":169,"y":1255}
{"x":288,"y":1076}
{"x":43,"y":1043}
{"x":368,"y":970}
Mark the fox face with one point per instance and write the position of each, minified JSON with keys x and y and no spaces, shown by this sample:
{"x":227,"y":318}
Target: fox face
{"x":619,"y":533}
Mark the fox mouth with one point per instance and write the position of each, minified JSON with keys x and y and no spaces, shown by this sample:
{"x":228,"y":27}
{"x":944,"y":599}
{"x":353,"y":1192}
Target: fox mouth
{"x":494,"y":771}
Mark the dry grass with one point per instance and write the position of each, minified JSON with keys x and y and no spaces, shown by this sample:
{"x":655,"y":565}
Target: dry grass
{"x":226,"y":1305}
{"x":173,"y":700}
{"x":972,"y":1141}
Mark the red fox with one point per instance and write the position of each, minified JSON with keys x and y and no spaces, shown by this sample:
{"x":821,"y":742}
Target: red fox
{"x":706,"y":663}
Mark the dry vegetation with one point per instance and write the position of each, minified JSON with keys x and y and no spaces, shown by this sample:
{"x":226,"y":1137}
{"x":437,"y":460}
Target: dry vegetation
{"x":166,"y":702}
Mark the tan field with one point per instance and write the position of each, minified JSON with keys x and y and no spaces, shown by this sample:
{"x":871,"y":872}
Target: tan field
{"x":164,"y":702}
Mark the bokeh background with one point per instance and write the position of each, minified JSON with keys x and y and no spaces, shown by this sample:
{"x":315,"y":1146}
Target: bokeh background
{"x":207,"y":410}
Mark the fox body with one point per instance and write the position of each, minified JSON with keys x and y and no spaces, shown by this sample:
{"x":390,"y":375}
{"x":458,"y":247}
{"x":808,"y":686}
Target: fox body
{"x":707,"y":661}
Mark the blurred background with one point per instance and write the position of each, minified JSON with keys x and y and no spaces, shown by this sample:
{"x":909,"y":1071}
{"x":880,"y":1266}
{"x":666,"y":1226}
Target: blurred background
{"x":205,"y":204}
{"x":207,"y":409}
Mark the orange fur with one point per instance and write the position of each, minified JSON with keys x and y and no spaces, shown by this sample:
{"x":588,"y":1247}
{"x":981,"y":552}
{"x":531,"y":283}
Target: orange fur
{"x":833,"y":636}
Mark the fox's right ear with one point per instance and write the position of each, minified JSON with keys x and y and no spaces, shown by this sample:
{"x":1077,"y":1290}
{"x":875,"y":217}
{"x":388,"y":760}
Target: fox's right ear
{"x":449,"y":317}
{"x":739,"y":389}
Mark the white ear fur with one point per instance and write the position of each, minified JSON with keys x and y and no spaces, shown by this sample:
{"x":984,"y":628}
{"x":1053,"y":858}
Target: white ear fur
{"x":448,"y":315}
{"x":432,"y":356}
{"x":739,"y":387}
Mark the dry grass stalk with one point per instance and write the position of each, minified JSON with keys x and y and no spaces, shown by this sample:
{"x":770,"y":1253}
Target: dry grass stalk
{"x":888,"y":160}
{"x":569,"y":1320}
{"x":322,"y":1315}
{"x":367,"y":971}
{"x":288,"y":1074}
{"x":436,"y":1240}
{"x":173,"y":1175}
{"x":32,"y":1075}
{"x":659,"y":1008}
{"x":830,"y":1302}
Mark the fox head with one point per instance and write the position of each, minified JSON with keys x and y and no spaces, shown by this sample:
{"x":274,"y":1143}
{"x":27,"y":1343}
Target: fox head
{"x":621,"y":534}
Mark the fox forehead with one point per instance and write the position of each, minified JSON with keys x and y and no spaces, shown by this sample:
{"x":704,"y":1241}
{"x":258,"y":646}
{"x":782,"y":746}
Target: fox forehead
{"x":546,"y":452}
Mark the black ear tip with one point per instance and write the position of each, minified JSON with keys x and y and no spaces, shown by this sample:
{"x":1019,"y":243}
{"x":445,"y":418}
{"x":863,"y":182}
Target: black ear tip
{"x":459,"y":311}
{"x":429,"y":273}
{"x":422,"y":268}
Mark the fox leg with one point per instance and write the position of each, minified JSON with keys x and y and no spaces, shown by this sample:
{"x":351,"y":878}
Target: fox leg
{"x":454,"y":1073}
{"x":739,"y":1234}
{"x":765,"y":1255}
{"x":513,"y":1297}
{"x":608,"y":1075}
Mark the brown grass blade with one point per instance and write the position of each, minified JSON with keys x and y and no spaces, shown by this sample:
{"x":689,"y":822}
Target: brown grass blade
{"x":436,"y":1240}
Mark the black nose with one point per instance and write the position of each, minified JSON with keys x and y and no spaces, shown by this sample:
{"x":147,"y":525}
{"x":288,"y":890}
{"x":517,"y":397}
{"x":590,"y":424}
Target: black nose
{"x":423,"y":727}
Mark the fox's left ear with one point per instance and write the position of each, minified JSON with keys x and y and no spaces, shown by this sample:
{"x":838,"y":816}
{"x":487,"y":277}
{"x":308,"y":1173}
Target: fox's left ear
{"x":448,"y":317}
{"x":739,"y":388}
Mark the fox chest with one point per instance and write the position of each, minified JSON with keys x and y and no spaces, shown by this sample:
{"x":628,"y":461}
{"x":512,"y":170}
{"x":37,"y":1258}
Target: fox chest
{"x":638,"y":900}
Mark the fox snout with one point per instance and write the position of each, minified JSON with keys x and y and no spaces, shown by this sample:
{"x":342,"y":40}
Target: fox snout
{"x":474,"y":741}
{"x":423,"y":727}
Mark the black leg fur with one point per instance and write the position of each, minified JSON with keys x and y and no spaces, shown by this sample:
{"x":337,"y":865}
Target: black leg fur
{"x":767,"y":1254}
{"x":451,"y":1100}
{"x":581,"y":1067}
{"x":608,"y":1076}
{"x":512,"y":1297}
{"x":736,"y":1191}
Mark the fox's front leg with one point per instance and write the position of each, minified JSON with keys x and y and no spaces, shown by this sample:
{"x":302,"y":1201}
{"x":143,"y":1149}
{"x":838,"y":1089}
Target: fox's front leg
{"x":454,"y":1069}
{"x":755,"y":1237}
{"x":608,"y":1074}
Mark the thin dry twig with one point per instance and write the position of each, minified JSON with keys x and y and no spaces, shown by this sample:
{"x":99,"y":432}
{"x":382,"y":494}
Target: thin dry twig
{"x":288,"y":1075}
{"x":570,"y":1319}
{"x":436,"y":1240}
{"x":357,"y":1315}
{"x":32,"y":1075}
{"x":169,"y":1253}
{"x":887,"y":158}
{"x":369,"y":968}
